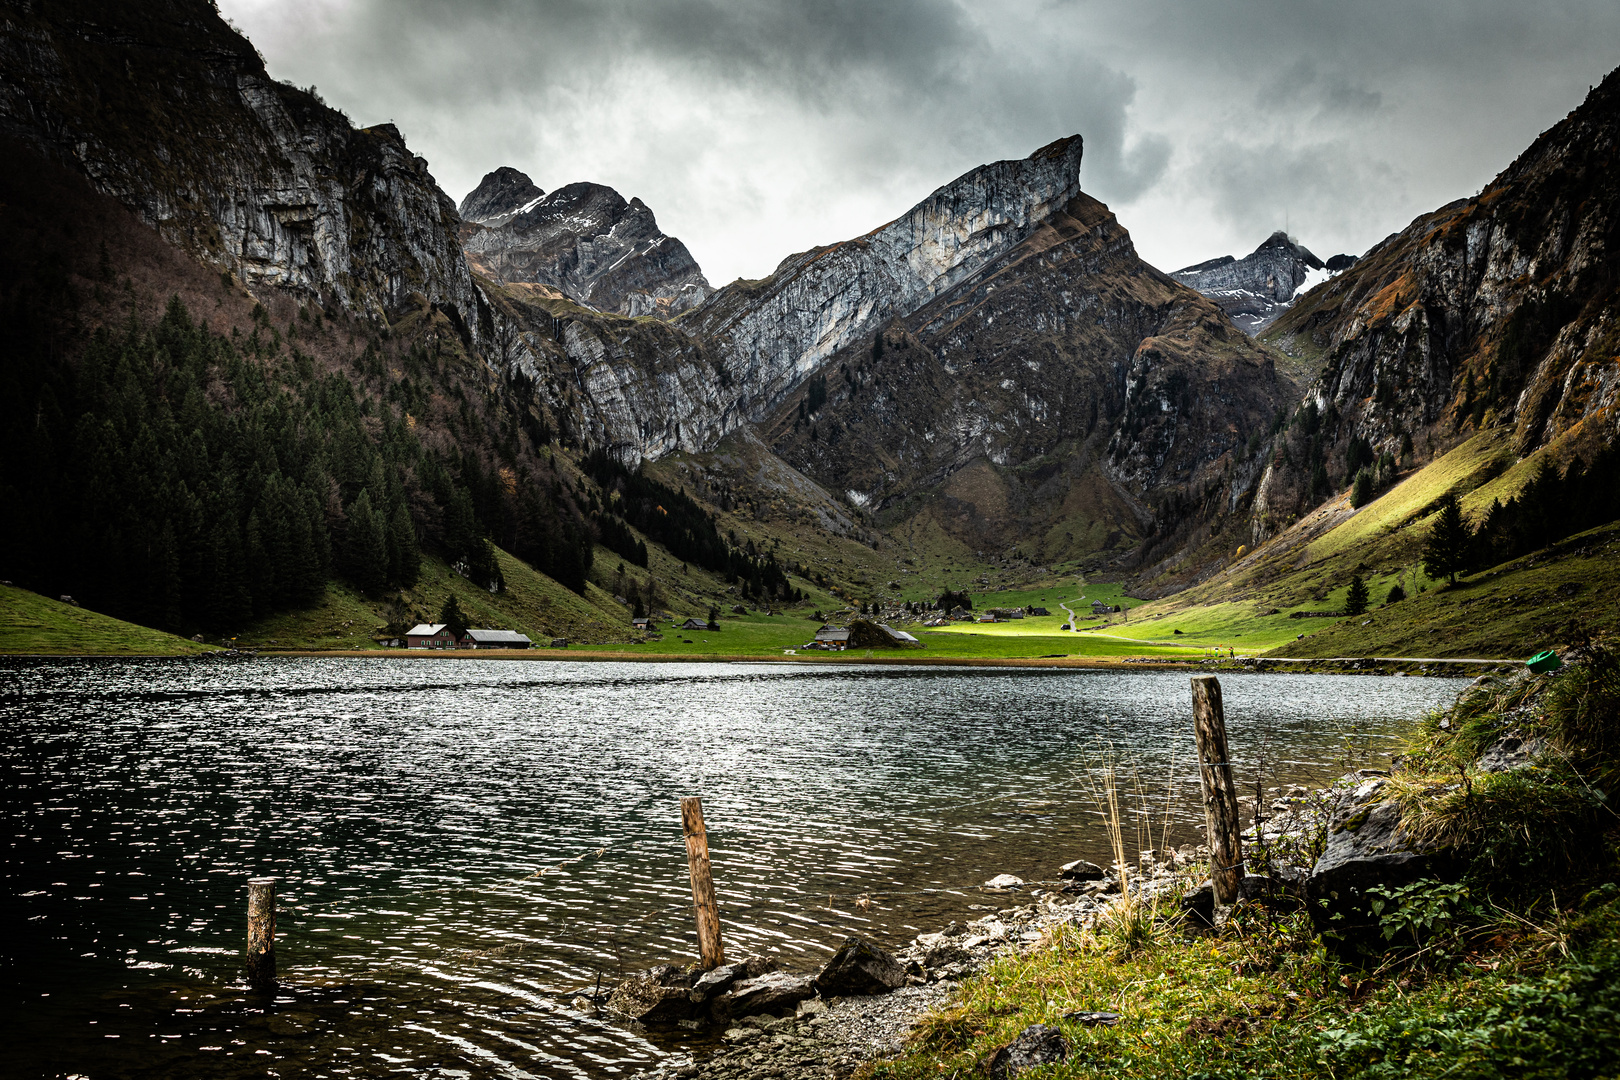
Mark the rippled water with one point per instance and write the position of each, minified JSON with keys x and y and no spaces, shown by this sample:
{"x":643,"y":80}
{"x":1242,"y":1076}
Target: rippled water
{"x":463,"y":844}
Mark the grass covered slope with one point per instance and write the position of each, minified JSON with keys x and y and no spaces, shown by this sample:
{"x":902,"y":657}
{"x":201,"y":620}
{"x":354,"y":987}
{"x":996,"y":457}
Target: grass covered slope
{"x":1552,"y":596}
{"x":34,"y":625}
{"x":1506,"y":963}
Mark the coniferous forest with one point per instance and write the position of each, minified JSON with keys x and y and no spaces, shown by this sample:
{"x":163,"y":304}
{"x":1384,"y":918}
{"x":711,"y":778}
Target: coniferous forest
{"x":184,"y":479}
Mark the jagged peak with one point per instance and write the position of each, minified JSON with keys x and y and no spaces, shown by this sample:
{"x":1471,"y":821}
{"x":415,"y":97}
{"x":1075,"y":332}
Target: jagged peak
{"x":500,"y":196}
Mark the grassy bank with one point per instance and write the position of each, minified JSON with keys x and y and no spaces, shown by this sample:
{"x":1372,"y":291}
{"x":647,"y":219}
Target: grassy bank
{"x":1505,"y":962}
{"x":34,"y":625}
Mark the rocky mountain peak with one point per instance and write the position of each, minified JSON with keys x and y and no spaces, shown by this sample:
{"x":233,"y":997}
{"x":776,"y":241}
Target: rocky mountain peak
{"x":499,"y":197}
{"x":589,"y":243}
{"x":1257,"y":288}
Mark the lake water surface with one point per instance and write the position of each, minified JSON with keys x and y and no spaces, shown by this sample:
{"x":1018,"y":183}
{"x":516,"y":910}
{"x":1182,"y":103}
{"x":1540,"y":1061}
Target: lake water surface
{"x":462,"y":845}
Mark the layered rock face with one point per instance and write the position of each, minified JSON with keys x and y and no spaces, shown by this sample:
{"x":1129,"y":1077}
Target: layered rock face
{"x":1257,"y":288}
{"x":586,"y":242}
{"x":167,"y":109}
{"x":776,"y":332}
{"x":1066,"y":395}
{"x":501,"y":196}
{"x":1499,"y":310}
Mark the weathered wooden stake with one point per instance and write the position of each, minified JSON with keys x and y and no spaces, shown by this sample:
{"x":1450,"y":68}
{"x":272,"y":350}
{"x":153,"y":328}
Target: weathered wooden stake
{"x":261,"y":942}
{"x":703,"y":904}
{"x":1220,"y":790}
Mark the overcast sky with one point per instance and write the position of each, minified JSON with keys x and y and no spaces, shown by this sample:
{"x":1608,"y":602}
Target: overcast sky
{"x":757,"y":129}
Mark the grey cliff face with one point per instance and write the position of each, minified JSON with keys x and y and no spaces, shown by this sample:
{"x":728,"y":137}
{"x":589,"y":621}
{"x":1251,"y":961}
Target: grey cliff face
{"x":186,"y":129}
{"x":774,"y":334}
{"x":501,"y":196}
{"x":596,"y":249}
{"x":1257,"y":288}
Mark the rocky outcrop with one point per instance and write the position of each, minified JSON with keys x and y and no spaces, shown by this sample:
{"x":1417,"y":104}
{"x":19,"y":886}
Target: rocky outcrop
{"x":1257,"y":288}
{"x":499,"y":197}
{"x":167,"y":109}
{"x":586,"y":242}
{"x":1066,"y":398}
{"x":1494,"y":311}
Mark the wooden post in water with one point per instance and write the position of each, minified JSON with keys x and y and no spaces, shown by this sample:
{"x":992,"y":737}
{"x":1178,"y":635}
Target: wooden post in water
{"x":1220,"y":790}
{"x":703,"y":904}
{"x":261,"y":941}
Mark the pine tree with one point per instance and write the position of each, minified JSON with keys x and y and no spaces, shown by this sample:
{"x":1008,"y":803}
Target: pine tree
{"x":366,"y":547}
{"x":1355,"y":601}
{"x":1446,"y":553}
{"x":1361,"y":494}
{"x":714,"y":617}
{"x":404,"y":556}
{"x":451,"y":616}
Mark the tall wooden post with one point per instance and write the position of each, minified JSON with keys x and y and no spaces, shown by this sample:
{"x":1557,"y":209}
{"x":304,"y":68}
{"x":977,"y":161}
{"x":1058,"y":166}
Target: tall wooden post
{"x":261,"y":940}
{"x":1220,"y":789}
{"x":703,"y":904}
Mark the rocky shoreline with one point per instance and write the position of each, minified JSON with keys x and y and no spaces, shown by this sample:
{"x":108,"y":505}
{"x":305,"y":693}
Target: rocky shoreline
{"x":825,"y":1034}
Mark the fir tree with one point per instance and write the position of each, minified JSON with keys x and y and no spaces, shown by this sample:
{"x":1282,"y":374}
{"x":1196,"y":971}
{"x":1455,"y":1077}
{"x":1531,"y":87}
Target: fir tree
{"x":1446,"y":553}
{"x":1355,"y":601}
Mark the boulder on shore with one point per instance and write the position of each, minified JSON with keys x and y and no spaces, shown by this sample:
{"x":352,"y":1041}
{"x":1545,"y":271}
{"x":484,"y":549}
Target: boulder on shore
{"x":657,"y":995}
{"x":860,"y":967}
{"x":1366,"y":846}
{"x":1081,"y":870}
{"x":712,"y":982}
{"x":768,"y":993}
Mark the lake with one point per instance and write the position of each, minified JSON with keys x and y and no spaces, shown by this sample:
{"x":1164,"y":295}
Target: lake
{"x":462,"y":845}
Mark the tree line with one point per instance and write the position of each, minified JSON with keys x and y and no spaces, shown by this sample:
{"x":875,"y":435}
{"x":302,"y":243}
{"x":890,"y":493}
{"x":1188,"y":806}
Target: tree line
{"x":170,"y":476}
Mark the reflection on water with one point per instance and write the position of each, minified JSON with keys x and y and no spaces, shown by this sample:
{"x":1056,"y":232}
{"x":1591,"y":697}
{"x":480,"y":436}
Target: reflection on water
{"x":463,"y":844}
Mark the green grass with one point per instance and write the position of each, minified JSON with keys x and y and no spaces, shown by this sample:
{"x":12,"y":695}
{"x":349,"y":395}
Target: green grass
{"x":31,"y":624}
{"x":1262,"y":999}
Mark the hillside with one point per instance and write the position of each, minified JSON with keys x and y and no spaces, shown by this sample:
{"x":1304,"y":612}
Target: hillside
{"x":35,"y":625}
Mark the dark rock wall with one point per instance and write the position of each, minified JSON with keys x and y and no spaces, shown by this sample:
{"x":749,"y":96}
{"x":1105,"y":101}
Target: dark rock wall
{"x":167,"y":109}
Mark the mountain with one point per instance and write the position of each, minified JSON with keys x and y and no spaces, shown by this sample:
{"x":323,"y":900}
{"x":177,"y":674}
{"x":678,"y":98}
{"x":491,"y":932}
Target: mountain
{"x":1495,"y":313}
{"x":241,"y":359}
{"x":1257,"y":288}
{"x":499,"y":197}
{"x":582,"y":240}
{"x":998,"y":359}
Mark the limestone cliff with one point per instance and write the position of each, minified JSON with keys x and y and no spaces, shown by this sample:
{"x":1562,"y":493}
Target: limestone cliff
{"x":1064,"y":398}
{"x":169,"y":110}
{"x":586,"y":242}
{"x":1499,"y":310}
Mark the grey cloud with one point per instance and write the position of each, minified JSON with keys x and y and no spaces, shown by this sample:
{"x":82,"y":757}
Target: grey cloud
{"x":756,"y":128}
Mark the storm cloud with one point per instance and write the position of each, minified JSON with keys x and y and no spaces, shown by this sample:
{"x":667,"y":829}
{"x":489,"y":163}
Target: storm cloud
{"x":756,"y":129}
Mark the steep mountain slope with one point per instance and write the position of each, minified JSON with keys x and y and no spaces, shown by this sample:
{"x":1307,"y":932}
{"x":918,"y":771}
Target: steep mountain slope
{"x":1257,"y":288}
{"x":194,"y":448}
{"x":584,"y":241}
{"x":1496,"y":312}
{"x":1064,"y":398}
{"x":165,"y":108}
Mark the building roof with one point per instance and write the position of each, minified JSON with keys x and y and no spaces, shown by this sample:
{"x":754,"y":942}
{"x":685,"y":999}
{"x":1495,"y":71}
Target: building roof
{"x":497,"y":637}
{"x":898,"y":635}
{"x":832,"y":635}
{"x":425,"y":629}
